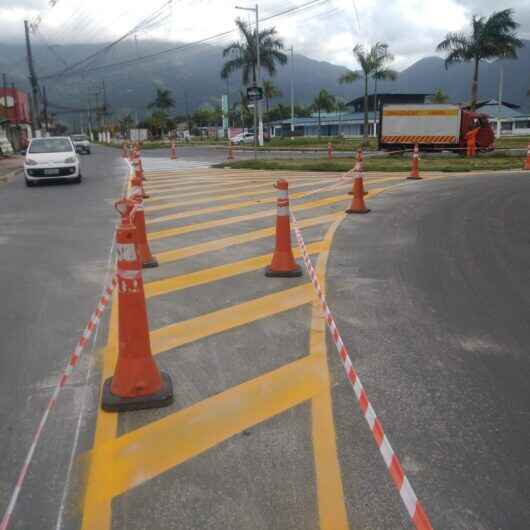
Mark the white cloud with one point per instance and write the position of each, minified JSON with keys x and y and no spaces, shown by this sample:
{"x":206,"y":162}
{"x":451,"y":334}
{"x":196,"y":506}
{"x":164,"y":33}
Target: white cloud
{"x":412,"y":28}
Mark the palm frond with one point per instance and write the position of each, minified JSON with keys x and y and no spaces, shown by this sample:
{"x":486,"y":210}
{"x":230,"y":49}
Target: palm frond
{"x":349,"y":77}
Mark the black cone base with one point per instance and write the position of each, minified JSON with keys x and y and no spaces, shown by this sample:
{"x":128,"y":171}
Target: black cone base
{"x":112,"y":403}
{"x":151,"y":264}
{"x":414,"y":178}
{"x":366,"y":210}
{"x":296,"y":273}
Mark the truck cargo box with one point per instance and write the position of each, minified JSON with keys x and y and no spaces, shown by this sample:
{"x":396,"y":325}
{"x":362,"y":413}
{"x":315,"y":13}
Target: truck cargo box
{"x":436,"y":124}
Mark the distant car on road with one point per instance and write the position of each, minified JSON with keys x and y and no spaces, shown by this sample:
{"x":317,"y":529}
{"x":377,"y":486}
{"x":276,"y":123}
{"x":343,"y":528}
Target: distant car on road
{"x":243,"y":138}
{"x":50,"y":159}
{"x":81,"y":143}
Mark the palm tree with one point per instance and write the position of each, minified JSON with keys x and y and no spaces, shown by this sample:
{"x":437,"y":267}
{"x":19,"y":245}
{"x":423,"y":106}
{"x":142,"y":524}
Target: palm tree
{"x":374,"y":64}
{"x":340,"y":107}
{"x":244,"y":56}
{"x":163,"y":101}
{"x":323,"y":102}
{"x":270,"y":91}
{"x":491,"y":38}
{"x":439,"y":97}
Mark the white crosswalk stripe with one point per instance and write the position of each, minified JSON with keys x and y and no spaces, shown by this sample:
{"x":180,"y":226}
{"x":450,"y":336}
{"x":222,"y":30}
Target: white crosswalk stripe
{"x":153,"y":164}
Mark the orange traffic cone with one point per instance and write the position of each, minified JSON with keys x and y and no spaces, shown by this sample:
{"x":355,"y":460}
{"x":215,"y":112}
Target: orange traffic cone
{"x":137,"y":383}
{"x":125,"y":152}
{"x":358,"y":169}
{"x":283,"y":264}
{"x":230,"y":150}
{"x":137,"y":180}
{"x":330,"y":151}
{"x":527,"y":161}
{"x":173,"y":151}
{"x":358,"y":205}
{"x":147,"y":260}
{"x":415,"y":170}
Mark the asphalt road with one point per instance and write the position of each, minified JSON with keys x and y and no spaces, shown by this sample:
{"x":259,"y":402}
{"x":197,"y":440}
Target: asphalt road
{"x":432,"y":294}
{"x":54,"y":243}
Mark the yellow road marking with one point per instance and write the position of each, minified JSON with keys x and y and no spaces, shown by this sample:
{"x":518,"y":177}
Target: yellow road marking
{"x":331,"y":505}
{"x":187,"y":331}
{"x":218,"y":244}
{"x":145,"y":453}
{"x":170,"y":232}
{"x":262,"y":189}
{"x":213,"y":274}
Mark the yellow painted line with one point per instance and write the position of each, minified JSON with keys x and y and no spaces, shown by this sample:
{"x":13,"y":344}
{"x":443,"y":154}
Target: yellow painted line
{"x":330,"y":493}
{"x":254,"y":189}
{"x":171,"y":232}
{"x":219,"y":244}
{"x":199,"y":189}
{"x":145,"y":453}
{"x":187,"y":331}
{"x":213,"y":274}
{"x":97,"y":513}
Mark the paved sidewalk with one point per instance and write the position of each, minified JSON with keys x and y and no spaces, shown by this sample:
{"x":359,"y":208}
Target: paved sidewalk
{"x":10,"y":164}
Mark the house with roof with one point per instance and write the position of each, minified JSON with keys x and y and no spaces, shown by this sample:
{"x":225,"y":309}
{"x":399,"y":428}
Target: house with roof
{"x":349,"y":123}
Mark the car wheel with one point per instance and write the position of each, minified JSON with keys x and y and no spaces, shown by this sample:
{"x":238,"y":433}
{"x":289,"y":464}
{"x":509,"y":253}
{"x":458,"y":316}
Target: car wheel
{"x":29,"y":183}
{"x":88,"y":151}
{"x":78,"y":179}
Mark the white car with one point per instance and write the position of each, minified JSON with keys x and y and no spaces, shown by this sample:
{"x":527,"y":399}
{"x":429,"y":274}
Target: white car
{"x":81,"y":143}
{"x":51,"y":158}
{"x":243,"y":138}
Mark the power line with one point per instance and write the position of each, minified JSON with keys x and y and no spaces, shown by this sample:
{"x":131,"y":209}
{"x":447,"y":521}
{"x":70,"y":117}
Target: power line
{"x":286,"y":12}
{"x":106,"y":48}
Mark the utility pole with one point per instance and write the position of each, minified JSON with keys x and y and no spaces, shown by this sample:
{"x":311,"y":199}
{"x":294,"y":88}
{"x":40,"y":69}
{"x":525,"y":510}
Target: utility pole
{"x":45,"y":103}
{"x":35,"y":117}
{"x":292,"y":93}
{"x":15,"y":106}
{"x":104,"y":102}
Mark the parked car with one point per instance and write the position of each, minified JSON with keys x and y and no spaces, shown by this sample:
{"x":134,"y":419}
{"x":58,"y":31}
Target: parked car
{"x":243,"y":138}
{"x":81,"y":143}
{"x":50,"y":159}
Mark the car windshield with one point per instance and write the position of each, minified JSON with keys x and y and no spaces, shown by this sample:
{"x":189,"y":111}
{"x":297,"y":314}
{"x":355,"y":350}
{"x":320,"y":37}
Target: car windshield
{"x":79,"y":138}
{"x":50,"y":145}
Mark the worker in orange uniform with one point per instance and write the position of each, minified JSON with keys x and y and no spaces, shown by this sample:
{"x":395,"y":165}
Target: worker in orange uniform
{"x":471,"y":138}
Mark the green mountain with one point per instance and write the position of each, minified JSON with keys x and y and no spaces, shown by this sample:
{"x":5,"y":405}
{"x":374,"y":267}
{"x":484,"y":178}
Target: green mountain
{"x":192,"y":74}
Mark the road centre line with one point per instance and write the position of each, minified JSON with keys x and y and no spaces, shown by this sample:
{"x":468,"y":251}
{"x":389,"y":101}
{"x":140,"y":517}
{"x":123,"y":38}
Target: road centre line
{"x":213,"y":274}
{"x":219,"y":244}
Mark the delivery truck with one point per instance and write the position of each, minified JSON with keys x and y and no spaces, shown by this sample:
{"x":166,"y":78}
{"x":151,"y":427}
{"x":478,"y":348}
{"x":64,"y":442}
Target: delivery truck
{"x":433,"y":127}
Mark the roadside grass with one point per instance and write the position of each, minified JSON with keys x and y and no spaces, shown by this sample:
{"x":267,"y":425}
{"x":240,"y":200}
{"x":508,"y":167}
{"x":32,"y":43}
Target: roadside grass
{"x":382,"y":165}
{"x":512,"y":142}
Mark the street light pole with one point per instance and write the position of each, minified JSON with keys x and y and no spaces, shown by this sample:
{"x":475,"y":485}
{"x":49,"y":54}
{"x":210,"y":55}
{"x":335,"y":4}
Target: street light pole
{"x":292,"y":93}
{"x":499,"y":102}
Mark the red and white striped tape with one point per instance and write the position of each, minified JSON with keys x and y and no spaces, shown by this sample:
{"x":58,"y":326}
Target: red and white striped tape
{"x":412,"y":504}
{"x":74,"y":358}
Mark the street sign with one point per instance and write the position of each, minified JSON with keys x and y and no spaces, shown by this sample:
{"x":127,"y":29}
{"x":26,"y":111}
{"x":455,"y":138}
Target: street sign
{"x":254,"y":93}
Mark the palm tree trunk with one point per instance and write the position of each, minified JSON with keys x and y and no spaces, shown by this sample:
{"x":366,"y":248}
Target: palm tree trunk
{"x":365,"y":131}
{"x":319,"y":127}
{"x":474,"y":86}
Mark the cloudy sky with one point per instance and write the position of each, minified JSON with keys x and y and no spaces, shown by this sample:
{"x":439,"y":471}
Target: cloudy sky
{"x":327,"y":30}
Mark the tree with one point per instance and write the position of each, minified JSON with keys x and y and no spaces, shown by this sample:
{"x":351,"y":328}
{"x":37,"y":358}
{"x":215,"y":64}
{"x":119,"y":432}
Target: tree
{"x":161,"y":105}
{"x":340,"y":107}
{"x":439,"y":97}
{"x":163,"y":101}
{"x":244,"y":56}
{"x":490,"y":38}
{"x":269,"y":92}
{"x":374,"y":64}
{"x":323,"y":102}
{"x":126,"y":123}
